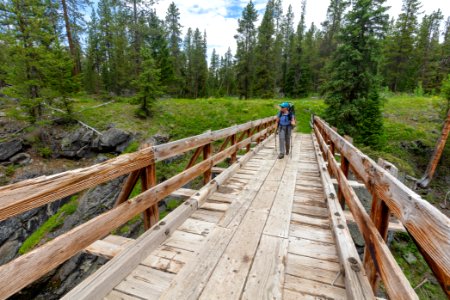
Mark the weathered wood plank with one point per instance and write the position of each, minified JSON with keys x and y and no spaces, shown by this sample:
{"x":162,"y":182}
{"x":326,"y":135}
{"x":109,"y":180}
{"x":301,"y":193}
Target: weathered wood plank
{"x":311,"y":221}
{"x":313,"y":249}
{"x":266,"y":277}
{"x":294,"y":260}
{"x":314,"y":288}
{"x":116,"y":295}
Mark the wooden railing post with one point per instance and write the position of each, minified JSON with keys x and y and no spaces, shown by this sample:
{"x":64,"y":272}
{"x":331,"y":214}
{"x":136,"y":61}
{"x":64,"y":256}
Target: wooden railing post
{"x":207,"y":150}
{"x":344,"y":168}
{"x":249,"y":134}
{"x":148,"y":179}
{"x":379,"y":214}
{"x":234,"y":155}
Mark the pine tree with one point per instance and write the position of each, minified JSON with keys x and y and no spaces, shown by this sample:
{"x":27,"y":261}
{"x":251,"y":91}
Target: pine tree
{"x":265,"y":55}
{"x":399,"y":49}
{"x":445,"y":52}
{"x":92,"y":80}
{"x":213,"y":75}
{"x":246,"y":40}
{"x":298,"y":76}
{"x":173,"y":29}
{"x":427,"y":54}
{"x":156,"y":39}
{"x":148,"y":84}
{"x":227,"y":81}
{"x":288,"y":34}
{"x":352,"y":94}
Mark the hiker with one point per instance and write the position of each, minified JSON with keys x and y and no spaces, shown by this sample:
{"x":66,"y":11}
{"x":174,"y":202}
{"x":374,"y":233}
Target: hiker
{"x":285,"y":121}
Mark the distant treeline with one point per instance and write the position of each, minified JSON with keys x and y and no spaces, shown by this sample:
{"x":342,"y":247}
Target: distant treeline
{"x":129,"y":50}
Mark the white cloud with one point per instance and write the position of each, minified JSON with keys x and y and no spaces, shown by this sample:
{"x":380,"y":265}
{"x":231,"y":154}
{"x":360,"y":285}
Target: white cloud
{"x":214,"y":16}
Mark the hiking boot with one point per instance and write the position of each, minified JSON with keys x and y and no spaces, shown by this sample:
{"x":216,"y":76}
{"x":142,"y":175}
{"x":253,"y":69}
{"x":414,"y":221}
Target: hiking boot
{"x":287,"y":152}
{"x":280,"y":156}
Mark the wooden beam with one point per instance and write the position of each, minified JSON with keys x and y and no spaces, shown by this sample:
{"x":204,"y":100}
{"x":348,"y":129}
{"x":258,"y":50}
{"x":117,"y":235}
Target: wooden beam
{"x":28,"y":194}
{"x":397,"y":286}
{"x":429,"y":227}
{"x":194,"y":157}
{"x":233,"y":142}
{"x":128,"y":187}
{"x":217,"y":170}
{"x":151,"y":214}
{"x":438,"y":150}
{"x":353,"y":183}
{"x":357,"y":285}
{"x":109,"y":246}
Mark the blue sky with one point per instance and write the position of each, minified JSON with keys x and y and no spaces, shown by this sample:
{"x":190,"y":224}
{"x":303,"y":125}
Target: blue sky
{"x":219,"y":17}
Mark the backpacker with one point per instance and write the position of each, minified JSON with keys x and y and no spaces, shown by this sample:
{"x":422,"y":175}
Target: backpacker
{"x":291,"y":109}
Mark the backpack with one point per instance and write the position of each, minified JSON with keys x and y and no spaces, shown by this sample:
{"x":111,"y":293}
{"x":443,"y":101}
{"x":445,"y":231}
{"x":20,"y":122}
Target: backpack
{"x":291,"y":112}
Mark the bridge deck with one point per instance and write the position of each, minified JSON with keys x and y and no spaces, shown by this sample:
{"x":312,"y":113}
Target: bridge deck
{"x":264,"y":234}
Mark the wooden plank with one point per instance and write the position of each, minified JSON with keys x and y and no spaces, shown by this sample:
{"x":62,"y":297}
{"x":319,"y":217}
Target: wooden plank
{"x":219,"y":197}
{"x":196,"y":226}
{"x":185,"y":240}
{"x":103,"y":249}
{"x":294,"y":260}
{"x":118,"y":240}
{"x":266,"y":277}
{"x":397,"y":286}
{"x":163,"y":264}
{"x":316,"y":274}
{"x":312,"y":233}
{"x":207,"y":215}
{"x":314,"y":288}
{"x":217,"y":170}
{"x":313,"y":249}
{"x":310,"y":201}
{"x":173,"y":253}
{"x":429,"y":227}
{"x":116,"y":295}
{"x":311,"y":221}
{"x":294,"y":295}
{"x":313,"y":211}
{"x":145,"y":282}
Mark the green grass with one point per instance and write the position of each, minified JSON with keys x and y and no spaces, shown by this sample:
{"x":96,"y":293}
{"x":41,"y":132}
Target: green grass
{"x":50,"y":225}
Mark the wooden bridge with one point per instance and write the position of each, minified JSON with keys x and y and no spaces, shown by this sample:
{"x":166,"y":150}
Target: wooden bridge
{"x":263,"y":228}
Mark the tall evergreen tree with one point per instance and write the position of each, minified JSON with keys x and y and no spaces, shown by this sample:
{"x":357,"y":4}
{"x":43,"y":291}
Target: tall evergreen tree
{"x":213,"y":75}
{"x":246,"y":40}
{"x":427,"y":54}
{"x":298,"y":77}
{"x":288,"y":34}
{"x":265,"y":55}
{"x":352,"y":95}
{"x":148,"y":84}
{"x":173,"y":30}
{"x":92,"y":80}
{"x":399,"y":49}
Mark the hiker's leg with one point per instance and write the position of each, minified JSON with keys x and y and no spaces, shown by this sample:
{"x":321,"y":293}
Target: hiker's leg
{"x":288,"y":139}
{"x":282,"y":135}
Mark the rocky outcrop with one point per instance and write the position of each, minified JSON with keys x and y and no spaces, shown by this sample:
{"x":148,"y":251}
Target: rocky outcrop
{"x":8,"y":149}
{"x":84,"y":143}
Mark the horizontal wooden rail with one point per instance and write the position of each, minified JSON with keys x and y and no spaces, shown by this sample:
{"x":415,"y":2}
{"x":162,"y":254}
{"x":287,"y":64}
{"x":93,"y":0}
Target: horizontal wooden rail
{"x":427,"y":225}
{"x":397,"y":286}
{"x":28,"y":194}
{"x":31,"y":266}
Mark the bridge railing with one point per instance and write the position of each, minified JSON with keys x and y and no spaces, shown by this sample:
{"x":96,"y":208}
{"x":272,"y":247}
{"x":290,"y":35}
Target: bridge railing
{"x":427,"y":226}
{"x":28,"y":194}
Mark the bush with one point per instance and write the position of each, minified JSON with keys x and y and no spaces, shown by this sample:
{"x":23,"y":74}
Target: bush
{"x":45,"y":152}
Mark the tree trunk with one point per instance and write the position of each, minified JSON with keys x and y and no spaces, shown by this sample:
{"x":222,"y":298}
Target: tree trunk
{"x":72,"y":48}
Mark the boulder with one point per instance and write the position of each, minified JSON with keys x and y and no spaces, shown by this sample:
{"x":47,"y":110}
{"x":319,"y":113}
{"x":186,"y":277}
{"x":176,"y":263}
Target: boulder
{"x":8,"y":149}
{"x":113,"y":137}
{"x":21,"y":159}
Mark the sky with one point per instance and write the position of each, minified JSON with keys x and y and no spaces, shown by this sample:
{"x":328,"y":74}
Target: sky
{"x":219,"y":17}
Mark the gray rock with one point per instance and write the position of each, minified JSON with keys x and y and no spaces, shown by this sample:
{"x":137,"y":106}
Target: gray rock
{"x":8,"y":250}
{"x":410,"y":258}
{"x":2,"y":114}
{"x":113,"y":137}
{"x":100,"y":158}
{"x":21,"y":159}
{"x":8,"y":149}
